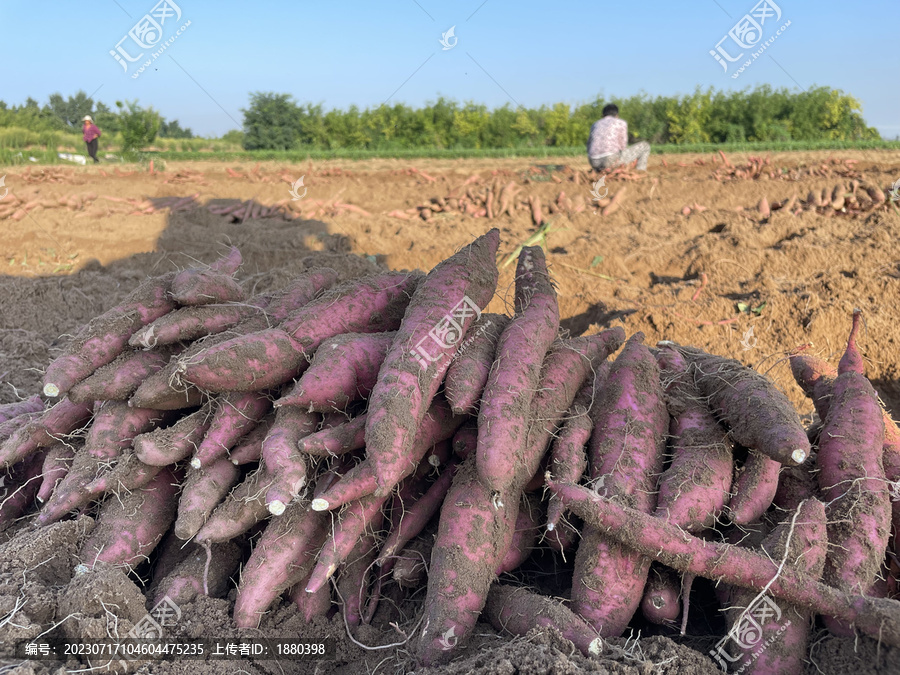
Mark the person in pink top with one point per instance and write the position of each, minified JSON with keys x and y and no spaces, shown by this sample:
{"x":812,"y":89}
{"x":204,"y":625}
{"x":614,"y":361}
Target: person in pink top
{"x":608,"y":143}
{"x":90,"y":135}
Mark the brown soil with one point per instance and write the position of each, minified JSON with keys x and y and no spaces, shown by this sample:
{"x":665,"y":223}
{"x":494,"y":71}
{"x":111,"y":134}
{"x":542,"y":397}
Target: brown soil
{"x":642,"y":266}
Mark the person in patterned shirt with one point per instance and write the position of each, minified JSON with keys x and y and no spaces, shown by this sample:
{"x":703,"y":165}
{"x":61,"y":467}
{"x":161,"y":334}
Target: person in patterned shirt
{"x":90,"y":134}
{"x":608,"y":143}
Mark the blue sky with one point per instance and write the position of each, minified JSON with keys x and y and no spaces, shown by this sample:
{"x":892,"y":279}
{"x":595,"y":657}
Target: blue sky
{"x":365,"y":53}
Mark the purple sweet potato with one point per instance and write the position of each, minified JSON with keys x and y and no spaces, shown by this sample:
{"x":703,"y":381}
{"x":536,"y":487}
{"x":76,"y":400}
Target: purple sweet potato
{"x":625,"y":459}
{"x":283,"y":556}
{"x":473,"y":537}
{"x":568,"y":459}
{"x":755,"y":485}
{"x":514,"y":377}
{"x":29,"y":405}
{"x":11,"y":426}
{"x":234,"y":417}
{"x":667,"y":543}
{"x":249,"y":448}
{"x":343,"y":369}
{"x":517,"y":611}
{"x":759,"y":416}
{"x":439,"y":424}
{"x":852,"y":481}
{"x":130,"y":526}
{"x":815,"y":377}
{"x":20,"y":487}
{"x":243,"y":508}
{"x":661,"y":602}
{"x":44,"y":430}
{"x":202,"y":491}
{"x":799,"y":542}
{"x":281,"y":455}
{"x":567,"y":365}
{"x":695,"y":487}
{"x":118,"y":380}
{"x":525,"y":536}
{"x":353,"y":579}
{"x":310,"y":605}
{"x":445,"y":304}
{"x":471,"y":365}
{"x":337,"y":440}
{"x":56,"y":465}
{"x":161,"y":447}
{"x":198,"y":574}
{"x":190,"y":323}
{"x":198,"y":286}
{"x":116,"y":425}
{"x":106,"y":336}
{"x":275,"y":356}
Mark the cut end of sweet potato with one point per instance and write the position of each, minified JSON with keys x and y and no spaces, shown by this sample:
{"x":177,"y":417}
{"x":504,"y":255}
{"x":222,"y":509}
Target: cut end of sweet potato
{"x":195,"y":463}
{"x":596,"y":646}
{"x":799,"y":455}
{"x":277,"y":507}
{"x":319,"y":504}
{"x":51,"y":390}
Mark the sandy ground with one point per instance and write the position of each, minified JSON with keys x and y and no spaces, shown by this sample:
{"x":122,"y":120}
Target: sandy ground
{"x":797,"y":279}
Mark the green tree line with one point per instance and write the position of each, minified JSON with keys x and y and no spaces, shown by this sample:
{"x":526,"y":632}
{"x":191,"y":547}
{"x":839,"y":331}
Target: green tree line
{"x":276,"y":121}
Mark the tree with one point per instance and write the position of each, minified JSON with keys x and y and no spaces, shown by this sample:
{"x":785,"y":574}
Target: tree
{"x":139,"y":125}
{"x":174,"y":130}
{"x":272,"y":122}
{"x":71,"y":111}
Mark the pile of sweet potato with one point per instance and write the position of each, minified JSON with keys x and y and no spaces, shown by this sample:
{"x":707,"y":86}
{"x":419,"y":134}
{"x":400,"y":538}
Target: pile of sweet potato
{"x":331,"y":438}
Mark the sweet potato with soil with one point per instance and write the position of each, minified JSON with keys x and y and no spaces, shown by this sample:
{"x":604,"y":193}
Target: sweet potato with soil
{"x":9,"y":427}
{"x":115,"y":426}
{"x":353,"y":579}
{"x":283,"y":556}
{"x":525,"y":536}
{"x":198,"y":574}
{"x":44,"y":430}
{"x":567,"y":365}
{"x":439,"y":424}
{"x":800,"y":543}
{"x":815,"y":377}
{"x":202,"y":491}
{"x":168,"y":445}
{"x":518,"y":610}
{"x":29,"y":405}
{"x":662,"y":593}
{"x":106,"y":336}
{"x":117,"y":381}
{"x":758,"y":415}
{"x":190,"y":323}
{"x":695,"y":487}
{"x":249,"y":448}
{"x":358,"y":517}
{"x":20,"y":487}
{"x":215,"y":284}
{"x":514,"y":378}
{"x":336,"y":440}
{"x":56,"y":465}
{"x":876,"y":617}
{"x":625,"y":458}
{"x":310,"y":605}
{"x":473,"y":537}
{"x":240,"y":510}
{"x":274,"y":356}
{"x":448,"y":300}
{"x":343,"y":369}
{"x":234,"y":417}
{"x":754,"y":488}
{"x":471,"y":365}
{"x":852,"y":481}
{"x":130,"y":526}
{"x":285,"y":461}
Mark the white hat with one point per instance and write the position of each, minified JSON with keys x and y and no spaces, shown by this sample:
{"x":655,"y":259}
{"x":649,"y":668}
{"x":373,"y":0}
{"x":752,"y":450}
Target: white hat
{"x":87,"y":118}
